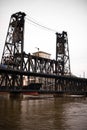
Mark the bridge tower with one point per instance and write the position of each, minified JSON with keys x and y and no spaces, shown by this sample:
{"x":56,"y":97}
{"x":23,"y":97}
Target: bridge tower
{"x":12,"y":56}
{"x":62,"y":54}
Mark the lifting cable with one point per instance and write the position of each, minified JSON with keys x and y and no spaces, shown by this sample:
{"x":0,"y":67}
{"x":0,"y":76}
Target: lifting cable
{"x":38,"y":24}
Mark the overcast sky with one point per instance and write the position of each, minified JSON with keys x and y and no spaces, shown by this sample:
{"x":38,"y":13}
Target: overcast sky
{"x":60,"y":15}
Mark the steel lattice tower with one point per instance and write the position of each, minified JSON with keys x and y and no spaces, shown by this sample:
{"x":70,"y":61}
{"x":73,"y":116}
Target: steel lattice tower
{"x":13,"y":49}
{"x":62,"y":54}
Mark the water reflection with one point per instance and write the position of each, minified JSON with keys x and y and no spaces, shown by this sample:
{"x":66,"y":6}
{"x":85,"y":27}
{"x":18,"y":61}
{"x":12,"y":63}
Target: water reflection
{"x":43,"y":114}
{"x":10,"y":111}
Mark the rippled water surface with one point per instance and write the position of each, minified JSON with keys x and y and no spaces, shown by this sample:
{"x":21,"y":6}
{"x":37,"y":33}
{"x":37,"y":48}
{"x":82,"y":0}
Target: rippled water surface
{"x":43,"y":114}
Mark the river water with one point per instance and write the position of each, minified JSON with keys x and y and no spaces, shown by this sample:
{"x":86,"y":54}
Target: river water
{"x":43,"y":114}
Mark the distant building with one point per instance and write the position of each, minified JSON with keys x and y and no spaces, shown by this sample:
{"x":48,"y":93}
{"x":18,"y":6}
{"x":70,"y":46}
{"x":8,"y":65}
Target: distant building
{"x":42,"y":54}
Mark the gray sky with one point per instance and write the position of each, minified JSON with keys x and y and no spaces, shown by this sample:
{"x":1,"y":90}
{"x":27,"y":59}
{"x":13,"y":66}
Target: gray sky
{"x":60,"y":15}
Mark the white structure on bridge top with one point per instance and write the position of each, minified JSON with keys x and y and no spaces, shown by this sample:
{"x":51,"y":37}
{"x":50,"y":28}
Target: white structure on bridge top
{"x":42,"y":54}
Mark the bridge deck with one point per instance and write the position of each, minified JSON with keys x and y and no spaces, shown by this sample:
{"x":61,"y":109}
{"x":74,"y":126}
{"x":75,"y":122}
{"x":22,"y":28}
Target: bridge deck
{"x":27,"y":73}
{"x":65,"y":84}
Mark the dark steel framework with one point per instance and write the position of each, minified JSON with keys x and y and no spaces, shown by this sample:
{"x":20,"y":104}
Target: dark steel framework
{"x":55,"y":75}
{"x":14,"y":42}
{"x":62,"y":54}
{"x":66,"y":84}
{"x":14,"y":45}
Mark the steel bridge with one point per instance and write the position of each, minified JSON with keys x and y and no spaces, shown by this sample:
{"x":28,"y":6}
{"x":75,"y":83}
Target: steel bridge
{"x":17,"y":66}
